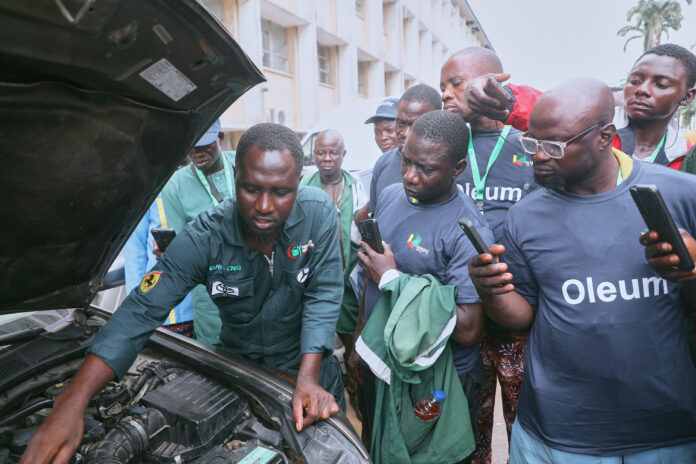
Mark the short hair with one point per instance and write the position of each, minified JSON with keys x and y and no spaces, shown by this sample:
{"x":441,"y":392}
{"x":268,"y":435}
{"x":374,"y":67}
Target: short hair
{"x":422,"y":93}
{"x":687,"y":58}
{"x":271,"y":137}
{"x":444,"y":126}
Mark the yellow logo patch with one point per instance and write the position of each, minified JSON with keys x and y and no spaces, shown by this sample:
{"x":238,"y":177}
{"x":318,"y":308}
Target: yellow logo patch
{"x":149,"y":281}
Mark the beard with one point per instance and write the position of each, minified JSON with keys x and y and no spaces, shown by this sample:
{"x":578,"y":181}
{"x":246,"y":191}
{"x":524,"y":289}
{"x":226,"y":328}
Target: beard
{"x":261,"y":237}
{"x":554,"y":182}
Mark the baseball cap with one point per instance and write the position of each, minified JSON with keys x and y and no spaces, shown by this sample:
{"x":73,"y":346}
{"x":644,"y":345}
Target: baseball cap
{"x":210,"y":136}
{"x":385,"y":110}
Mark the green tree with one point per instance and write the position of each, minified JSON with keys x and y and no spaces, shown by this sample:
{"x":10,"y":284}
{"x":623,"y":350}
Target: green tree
{"x":652,"y":19}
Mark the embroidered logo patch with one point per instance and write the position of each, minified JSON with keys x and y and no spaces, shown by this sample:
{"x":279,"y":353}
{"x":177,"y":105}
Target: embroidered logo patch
{"x":149,"y":281}
{"x":295,"y":251}
{"x":219,"y":288}
{"x":302,"y":275}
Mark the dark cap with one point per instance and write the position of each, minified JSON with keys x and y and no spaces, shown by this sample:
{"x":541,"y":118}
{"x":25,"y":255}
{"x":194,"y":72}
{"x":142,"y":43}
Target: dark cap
{"x":385,"y":110}
{"x":210,"y":136}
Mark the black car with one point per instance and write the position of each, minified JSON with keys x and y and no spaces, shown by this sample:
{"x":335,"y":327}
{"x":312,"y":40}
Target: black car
{"x":100,"y":100}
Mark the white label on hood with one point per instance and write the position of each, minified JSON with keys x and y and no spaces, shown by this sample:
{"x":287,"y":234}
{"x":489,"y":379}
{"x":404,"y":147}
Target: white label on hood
{"x":169,"y":80}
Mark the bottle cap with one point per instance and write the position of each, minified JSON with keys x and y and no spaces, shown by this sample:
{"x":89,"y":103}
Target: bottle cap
{"x":439,"y":395}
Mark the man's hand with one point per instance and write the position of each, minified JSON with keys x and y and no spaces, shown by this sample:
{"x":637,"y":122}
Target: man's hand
{"x":489,"y":276}
{"x":310,"y":398}
{"x":58,"y":437}
{"x":155,"y":250}
{"x":487,"y":101}
{"x":375,"y":264}
{"x":61,"y":433}
{"x":662,"y":260}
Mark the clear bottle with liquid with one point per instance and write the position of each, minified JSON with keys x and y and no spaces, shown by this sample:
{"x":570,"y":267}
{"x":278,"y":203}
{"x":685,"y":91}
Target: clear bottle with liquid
{"x":428,"y":407}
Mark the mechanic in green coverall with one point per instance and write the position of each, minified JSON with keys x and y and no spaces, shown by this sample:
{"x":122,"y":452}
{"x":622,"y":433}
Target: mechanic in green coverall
{"x":270,"y":259}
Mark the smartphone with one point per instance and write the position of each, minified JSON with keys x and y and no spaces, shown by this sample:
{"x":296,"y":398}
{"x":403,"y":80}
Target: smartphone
{"x":474,"y":237}
{"x":369,"y":231}
{"x":494,"y":89}
{"x":163,"y":236}
{"x":658,"y":218}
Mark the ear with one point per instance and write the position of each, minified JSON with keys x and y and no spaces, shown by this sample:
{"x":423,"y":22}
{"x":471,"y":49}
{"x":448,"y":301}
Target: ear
{"x":221,"y":136}
{"x":689,"y":97}
{"x":607,"y":135}
{"x":459,"y":167}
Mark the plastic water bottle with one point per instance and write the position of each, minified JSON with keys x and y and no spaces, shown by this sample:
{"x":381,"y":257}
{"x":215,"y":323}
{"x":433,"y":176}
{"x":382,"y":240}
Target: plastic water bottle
{"x":427,"y":408}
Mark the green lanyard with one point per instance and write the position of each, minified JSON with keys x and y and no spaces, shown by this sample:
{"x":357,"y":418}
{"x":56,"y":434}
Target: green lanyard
{"x":657,"y":150}
{"x":480,"y":183}
{"x":228,"y":180}
{"x":619,"y":177}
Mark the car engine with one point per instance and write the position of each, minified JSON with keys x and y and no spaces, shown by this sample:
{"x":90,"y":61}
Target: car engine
{"x":161,"y":411}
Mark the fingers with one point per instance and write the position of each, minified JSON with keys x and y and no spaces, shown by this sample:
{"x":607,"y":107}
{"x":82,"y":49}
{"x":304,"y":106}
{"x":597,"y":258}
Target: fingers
{"x":297,"y":412}
{"x":501,"y":77}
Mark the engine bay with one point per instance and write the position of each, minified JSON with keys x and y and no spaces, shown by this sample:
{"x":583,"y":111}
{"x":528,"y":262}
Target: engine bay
{"x":161,"y":411}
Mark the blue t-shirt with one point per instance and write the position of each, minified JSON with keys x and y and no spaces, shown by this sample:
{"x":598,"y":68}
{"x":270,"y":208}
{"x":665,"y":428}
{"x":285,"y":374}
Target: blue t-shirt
{"x":608,"y":370}
{"x":511,"y":177}
{"x":427,"y":239}
{"x":387,"y":171}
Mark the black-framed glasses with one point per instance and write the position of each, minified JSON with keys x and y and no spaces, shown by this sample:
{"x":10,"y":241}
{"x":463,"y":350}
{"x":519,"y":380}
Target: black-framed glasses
{"x":551,"y":147}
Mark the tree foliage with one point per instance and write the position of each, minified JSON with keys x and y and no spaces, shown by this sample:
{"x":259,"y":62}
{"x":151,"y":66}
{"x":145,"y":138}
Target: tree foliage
{"x":651,"y":19}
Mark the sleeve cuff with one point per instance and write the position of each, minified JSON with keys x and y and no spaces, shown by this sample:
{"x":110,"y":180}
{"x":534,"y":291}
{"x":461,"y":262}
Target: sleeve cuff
{"x":387,"y":277}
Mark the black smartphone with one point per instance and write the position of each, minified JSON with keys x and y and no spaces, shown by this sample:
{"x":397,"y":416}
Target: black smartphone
{"x":494,"y":89}
{"x":369,"y":231}
{"x":474,"y":237}
{"x":658,"y":218}
{"x":163,"y":236}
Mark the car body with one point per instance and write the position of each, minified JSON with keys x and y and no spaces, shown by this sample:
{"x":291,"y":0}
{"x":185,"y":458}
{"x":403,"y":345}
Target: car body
{"x":100,"y":101}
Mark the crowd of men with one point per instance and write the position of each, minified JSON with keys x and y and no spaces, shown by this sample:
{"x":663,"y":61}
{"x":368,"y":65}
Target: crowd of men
{"x":577,"y":312}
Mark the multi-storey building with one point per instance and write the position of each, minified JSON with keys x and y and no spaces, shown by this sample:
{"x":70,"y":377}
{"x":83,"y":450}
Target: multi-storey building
{"x":319,"y":53}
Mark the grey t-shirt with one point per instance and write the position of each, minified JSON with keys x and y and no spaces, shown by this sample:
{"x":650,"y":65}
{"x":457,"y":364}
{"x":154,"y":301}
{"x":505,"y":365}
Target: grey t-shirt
{"x":427,"y":239}
{"x":608,"y":370}
{"x":387,"y":171}
{"x":511,"y":176}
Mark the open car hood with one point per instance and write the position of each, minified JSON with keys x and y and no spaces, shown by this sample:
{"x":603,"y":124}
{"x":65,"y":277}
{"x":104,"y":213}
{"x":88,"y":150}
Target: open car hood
{"x":100,"y":101}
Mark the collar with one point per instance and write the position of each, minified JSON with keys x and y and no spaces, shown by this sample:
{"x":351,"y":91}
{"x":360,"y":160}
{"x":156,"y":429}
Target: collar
{"x":625,"y":162}
{"x":315,"y":181}
{"x":675,"y":142}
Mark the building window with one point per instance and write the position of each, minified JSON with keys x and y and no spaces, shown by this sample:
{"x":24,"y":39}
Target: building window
{"x":275,"y":46}
{"x":362,"y":78}
{"x":324,"y":54}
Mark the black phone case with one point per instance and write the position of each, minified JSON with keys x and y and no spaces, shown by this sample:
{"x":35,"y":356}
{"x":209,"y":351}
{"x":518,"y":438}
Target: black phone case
{"x":163,"y":236}
{"x":473,"y":235}
{"x":658,"y":218}
{"x":369,"y":231}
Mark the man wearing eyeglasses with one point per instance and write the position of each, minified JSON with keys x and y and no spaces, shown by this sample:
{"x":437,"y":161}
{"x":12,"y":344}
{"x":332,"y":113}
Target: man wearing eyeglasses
{"x":349,"y":196}
{"x":608,"y":372}
{"x":498,"y":175}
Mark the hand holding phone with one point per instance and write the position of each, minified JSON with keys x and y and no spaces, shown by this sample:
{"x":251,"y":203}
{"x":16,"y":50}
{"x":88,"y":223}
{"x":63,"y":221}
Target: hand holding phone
{"x":369,"y":232}
{"x":658,"y":218}
{"x":163,"y":237}
{"x":495,"y":90}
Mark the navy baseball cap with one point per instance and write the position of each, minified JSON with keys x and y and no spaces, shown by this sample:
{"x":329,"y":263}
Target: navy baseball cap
{"x":210,"y":136}
{"x":385,"y":110}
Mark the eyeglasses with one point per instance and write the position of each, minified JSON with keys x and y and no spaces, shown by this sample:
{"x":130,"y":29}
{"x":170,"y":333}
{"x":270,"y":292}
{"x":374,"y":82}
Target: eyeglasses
{"x":323,"y":153}
{"x":552,"y":148}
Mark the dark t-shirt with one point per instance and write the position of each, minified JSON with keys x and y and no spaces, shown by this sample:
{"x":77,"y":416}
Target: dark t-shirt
{"x":427,"y":239}
{"x":511,"y":177}
{"x":387,"y":171}
{"x":607,"y":370}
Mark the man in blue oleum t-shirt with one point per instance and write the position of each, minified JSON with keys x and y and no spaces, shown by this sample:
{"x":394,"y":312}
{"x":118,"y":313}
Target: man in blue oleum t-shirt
{"x":418,"y":223}
{"x":608,"y":371}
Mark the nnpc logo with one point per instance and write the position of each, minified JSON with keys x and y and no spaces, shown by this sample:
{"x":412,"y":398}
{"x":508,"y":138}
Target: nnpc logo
{"x":521,"y":160}
{"x":414,"y":242}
